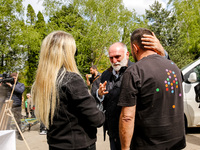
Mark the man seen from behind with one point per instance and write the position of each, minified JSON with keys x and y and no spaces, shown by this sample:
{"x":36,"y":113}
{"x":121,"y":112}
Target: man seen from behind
{"x":151,"y":98}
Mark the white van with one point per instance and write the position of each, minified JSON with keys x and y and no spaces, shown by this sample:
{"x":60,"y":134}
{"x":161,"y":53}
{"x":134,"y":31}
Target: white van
{"x":191,"y":75}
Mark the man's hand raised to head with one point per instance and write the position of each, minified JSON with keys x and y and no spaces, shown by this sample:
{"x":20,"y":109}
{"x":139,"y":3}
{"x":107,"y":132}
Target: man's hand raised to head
{"x":102,"y":89}
{"x":152,"y":43}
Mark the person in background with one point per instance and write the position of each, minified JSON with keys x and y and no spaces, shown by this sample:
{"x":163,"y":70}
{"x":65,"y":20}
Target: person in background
{"x":94,"y":82}
{"x":26,"y":107}
{"x":151,"y":98}
{"x":95,"y":75}
{"x":109,"y":88}
{"x":62,"y":101}
{"x":17,"y":100}
{"x":31,"y":106}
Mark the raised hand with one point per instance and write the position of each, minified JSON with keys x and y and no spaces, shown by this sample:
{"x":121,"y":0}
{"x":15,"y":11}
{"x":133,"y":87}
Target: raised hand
{"x":152,"y":43}
{"x":102,"y":89}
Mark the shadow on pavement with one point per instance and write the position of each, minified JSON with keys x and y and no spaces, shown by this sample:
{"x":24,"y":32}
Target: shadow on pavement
{"x":193,"y":136}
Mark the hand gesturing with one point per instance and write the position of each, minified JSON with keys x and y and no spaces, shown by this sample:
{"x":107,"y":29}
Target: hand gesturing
{"x":102,"y":89}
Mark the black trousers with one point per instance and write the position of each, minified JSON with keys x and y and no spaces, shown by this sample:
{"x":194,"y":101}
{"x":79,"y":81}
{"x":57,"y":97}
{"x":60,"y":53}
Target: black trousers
{"x":115,"y":144}
{"x":91,"y":147}
{"x":42,"y":127}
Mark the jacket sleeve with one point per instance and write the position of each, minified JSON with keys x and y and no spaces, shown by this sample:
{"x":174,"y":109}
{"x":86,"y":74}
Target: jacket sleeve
{"x":84,"y":103}
{"x":19,"y":88}
{"x":166,"y":55}
{"x":95,"y":86}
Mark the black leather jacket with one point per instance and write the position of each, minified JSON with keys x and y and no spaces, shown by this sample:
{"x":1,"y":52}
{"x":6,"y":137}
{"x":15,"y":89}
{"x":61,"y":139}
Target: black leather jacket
{"x":17,"y":94}
{"x":112,"y":111}
{"x":76,"y":118}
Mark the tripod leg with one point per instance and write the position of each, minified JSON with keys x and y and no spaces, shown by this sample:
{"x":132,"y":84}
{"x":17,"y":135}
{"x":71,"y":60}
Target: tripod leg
{"x":19,"y":129}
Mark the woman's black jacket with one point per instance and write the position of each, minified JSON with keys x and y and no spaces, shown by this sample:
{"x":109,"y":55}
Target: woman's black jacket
{"x":76,"y":118}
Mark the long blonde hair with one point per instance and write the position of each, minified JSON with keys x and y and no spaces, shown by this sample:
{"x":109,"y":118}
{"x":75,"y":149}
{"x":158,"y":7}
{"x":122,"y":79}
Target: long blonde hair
{"x":57,"y":51}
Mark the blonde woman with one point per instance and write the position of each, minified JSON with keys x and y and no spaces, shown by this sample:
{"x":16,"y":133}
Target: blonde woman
{"x":62,"y":101}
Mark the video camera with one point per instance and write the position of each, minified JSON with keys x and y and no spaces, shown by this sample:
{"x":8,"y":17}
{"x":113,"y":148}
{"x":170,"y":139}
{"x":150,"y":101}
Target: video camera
{"x":7,"y":78}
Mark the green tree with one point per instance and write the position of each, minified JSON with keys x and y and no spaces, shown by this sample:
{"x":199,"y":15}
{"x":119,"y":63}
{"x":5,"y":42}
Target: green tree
{"x":159,"y":20}
{"x":10,"y":50}
{"x":34,"y":31}
{"x":133,"y":22}
{"x":164,"y":23}
{"x":95,"y":24}
{"x":188,"y":15}
{"x":40,"y":25}
{"x":106,"y":24}
{"x":68,"y":19}
{"x":31,"y":17}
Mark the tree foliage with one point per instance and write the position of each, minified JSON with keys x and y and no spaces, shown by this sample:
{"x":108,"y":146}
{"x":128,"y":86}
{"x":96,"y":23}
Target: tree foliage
{"x":30,"y":15}
{"x":35,"y":32}
{"x":105,"y":24}
{"x":10,"y":27}
{"x":95,"y":25}
{"x":188,"y":14}
{"x":166,"y":25}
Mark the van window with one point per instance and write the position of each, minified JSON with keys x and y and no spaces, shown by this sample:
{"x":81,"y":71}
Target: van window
{"x":196,"y":70}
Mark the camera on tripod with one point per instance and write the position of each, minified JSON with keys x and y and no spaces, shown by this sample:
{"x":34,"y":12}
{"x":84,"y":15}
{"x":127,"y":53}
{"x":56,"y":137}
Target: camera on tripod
{"x":7,"y":79}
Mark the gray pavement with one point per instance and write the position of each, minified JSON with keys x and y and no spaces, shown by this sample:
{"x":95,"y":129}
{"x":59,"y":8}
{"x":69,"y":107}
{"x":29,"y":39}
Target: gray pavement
{"x":39,"y":142}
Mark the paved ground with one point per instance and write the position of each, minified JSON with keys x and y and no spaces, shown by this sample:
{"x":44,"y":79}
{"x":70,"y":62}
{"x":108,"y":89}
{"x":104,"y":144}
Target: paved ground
{"x":193,"y":139}
{"x":38,"y":142}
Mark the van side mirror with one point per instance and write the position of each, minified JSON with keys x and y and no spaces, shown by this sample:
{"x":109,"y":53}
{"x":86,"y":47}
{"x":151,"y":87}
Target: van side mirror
{"x":192,"y":77}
